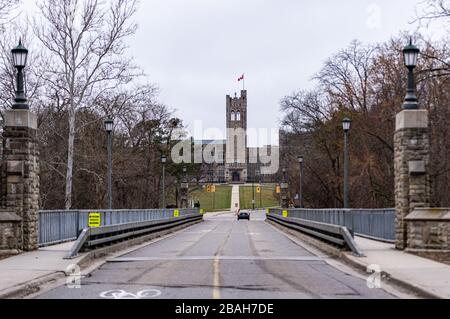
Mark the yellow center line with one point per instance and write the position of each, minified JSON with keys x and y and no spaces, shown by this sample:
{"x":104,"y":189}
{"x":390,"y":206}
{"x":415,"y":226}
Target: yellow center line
{"x":216,"y":279}
{"x":216,"y":266}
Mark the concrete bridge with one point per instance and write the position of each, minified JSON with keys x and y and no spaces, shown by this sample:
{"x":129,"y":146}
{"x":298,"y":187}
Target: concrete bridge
{"x":285,"y":254}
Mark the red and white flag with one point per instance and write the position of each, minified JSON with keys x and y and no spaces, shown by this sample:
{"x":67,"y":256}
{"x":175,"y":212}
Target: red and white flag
{"x":241,"y":78}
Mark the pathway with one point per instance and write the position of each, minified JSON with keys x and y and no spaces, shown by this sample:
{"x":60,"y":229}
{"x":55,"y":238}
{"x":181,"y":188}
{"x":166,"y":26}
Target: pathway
{"x":235,"y":201}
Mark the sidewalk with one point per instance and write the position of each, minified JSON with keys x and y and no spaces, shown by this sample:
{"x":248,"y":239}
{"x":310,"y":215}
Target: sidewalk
{"x":19,"y":273}
{"x":423,"y":275}
{"x":235,"y":198}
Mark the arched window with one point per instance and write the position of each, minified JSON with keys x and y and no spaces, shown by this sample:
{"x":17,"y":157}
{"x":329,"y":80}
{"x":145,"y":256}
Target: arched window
{"x":238,"y":116}
{"x":233,"y":116}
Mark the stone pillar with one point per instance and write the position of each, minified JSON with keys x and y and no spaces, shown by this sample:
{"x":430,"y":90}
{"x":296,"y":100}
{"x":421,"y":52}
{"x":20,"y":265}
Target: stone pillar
{"x":21,"y":156}
{"x":412,"y":179}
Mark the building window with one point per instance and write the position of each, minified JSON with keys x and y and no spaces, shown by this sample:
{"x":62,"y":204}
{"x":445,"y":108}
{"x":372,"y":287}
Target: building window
{"x":238,"y":116}
{"x":233,"y":116}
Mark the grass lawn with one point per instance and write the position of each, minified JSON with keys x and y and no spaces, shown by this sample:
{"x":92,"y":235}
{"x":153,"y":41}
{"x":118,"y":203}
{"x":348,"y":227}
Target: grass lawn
{"x":266,"y":199}
{"x":222,"y":198}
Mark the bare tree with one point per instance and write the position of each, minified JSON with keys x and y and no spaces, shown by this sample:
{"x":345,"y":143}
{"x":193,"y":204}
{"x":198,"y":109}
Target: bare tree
{"x":433,"y":10}
{"x":85,"y":40}
{"x":6,"y":6}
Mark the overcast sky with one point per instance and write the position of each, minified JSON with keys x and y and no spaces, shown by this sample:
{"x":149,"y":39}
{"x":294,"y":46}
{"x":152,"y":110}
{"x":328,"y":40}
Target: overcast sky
{"x":195,"y":50}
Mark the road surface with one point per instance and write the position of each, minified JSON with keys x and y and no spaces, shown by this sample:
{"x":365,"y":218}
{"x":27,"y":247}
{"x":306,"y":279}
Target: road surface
{"x":221,"y":259}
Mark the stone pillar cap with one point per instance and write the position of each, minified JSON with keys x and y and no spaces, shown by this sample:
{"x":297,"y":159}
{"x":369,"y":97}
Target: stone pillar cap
{"x":21,"y":118}
{"x":9,"y":217}
{"x":412,"y":119}
{"x":429,"y":214}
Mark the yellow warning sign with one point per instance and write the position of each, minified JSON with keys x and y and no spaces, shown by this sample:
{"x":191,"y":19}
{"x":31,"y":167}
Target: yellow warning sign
{"x":94,"y":220}
{"x":285,"y":214}
{"x":176,"y":213}
{"x":213,"y":188}
{"x":202,"y":211}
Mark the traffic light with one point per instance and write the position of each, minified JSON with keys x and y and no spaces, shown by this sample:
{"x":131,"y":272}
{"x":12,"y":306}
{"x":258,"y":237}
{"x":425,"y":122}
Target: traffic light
{"x":208,"y":188}
{"x":258,"y":190}
{"x":278,"y":190}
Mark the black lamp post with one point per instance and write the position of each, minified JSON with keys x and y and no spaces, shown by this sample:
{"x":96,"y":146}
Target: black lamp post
{"x":259,"y":177}
{"x":184,"y":174}
{"x":164,"y":162}
{"x":20,"y":56}
{"x":410,"y":55}
{"x":109,"y":127}
{"x":346,"y":125}
{"x":300,"y":161}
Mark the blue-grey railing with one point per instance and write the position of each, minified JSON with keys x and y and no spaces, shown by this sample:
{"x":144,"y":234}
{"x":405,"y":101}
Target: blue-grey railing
{"x":377,"y":224}
{"x":59,"y":226}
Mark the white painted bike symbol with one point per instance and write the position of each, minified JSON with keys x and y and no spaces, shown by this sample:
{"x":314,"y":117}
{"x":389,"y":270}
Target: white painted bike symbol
{"x":122,"y":294}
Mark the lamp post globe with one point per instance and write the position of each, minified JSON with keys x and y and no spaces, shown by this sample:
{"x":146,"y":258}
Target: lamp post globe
{"x":109,"y":125}
{"x":346,"y":123}
{"x":410,"y":57}
{"x":20,"y":57}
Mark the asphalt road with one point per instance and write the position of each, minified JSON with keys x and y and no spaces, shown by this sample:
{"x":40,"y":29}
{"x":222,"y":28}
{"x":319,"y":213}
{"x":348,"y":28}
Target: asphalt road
{"x":221,"y":259}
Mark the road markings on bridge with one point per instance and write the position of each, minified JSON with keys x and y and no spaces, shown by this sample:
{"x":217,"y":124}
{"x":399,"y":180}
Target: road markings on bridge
{"x":216,"y":258}
{"x":122,"y":294}
{"x":216,"y":278}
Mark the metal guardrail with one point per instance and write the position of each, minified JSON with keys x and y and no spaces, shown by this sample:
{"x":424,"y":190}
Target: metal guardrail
{"x":59,"y":226}
{"x":92,"y":238}
{"x":378,"y":224}
{"x":333,"y":234}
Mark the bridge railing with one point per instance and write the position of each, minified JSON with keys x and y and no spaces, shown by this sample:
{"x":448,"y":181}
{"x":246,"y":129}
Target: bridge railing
{"x":59,"y":226}
{"x":378,"y":224}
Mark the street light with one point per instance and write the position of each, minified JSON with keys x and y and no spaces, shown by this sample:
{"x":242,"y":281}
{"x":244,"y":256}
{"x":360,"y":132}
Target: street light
{"x":20,"y":57}
{"x":258,"y":176}
{"x":300,"y":161}
{"x":255,"y":176}
{"x":109,"y":127}
{"x":284,"y":190}
{"x":184,"y":189}
{"x":164,"y":162}
{"x":410,"y":56}
{"x":346,"y":125}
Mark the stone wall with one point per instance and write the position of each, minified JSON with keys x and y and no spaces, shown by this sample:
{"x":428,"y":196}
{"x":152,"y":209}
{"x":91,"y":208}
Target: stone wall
{"x":429,"y":229}
{"x":10,"y":232}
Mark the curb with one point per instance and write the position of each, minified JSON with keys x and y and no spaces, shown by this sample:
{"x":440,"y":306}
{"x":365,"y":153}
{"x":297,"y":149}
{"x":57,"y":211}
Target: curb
{"x":347,"y":258}
{"x":391,"y":279}
{"x":31,"y":287}
{"x":86,"y":262}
